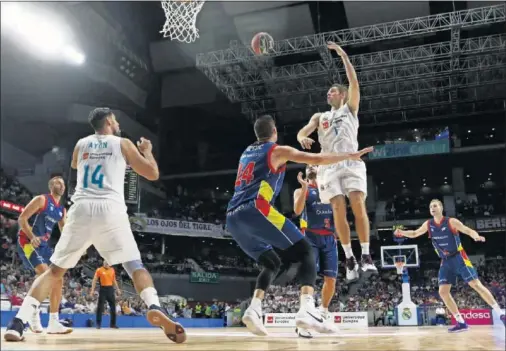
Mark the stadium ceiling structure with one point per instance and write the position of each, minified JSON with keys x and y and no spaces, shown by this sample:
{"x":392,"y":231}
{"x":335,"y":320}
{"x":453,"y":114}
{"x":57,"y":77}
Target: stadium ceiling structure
{"x":459,"y":76}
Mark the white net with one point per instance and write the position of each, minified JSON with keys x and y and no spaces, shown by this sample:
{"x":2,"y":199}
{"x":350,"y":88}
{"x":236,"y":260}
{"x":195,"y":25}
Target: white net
{"x":181,"y":16}
{"x":400,"y":267}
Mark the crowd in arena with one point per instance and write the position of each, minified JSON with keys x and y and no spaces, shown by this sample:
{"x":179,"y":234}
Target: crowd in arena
{"x":380,"y":293}
{"x":11,"y":190}
{"x":383,"y":292}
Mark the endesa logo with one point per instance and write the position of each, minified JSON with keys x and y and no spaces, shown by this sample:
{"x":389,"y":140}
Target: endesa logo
{"x":476,"y":317}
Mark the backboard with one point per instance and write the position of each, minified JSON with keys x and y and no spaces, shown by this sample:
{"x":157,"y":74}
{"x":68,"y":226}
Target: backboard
{"x":407,"y":253}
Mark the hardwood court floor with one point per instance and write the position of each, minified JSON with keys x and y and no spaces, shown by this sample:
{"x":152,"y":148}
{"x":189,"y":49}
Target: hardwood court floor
{"x":383,"y":338}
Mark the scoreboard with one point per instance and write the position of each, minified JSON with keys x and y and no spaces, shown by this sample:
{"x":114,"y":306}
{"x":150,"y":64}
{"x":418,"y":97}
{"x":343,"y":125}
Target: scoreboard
{"x":131,"y":186}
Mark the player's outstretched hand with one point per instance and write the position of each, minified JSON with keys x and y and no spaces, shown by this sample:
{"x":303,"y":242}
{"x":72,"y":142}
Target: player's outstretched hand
{"x":306,"y":143}
{"x":398,"y":233}
{"x":480,"y":238}
{"x":144,"y":145}
{"x":301,"y":180}
{"x":357,"y":156}
{"x":333,"y":46}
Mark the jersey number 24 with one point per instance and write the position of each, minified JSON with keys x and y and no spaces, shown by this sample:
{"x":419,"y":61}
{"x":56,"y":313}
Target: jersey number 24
{"x":97,"y":177}
{"x":245,"y":173}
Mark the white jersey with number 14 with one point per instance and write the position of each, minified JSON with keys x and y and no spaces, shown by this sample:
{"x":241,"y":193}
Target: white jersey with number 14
{"x":101,"y":169}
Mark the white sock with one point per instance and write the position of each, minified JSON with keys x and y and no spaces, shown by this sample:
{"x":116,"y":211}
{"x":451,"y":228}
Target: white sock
{"x":459,"y":318}
{"x":28,"y":309}
{"x":150,"y":297}
{"x":324,"y":310}
{"x":365,"y":248}
{"x":54,"y":316}
{"x":347,"y":250}
{"x":256,"y":303}
{"x":497,"y":309}
{"x":305,"y":300}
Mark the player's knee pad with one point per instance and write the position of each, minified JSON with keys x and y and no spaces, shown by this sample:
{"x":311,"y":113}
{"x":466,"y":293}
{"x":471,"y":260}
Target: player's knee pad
{"x":132,"y":266}
{"x":271,"y":263}
{"x":307,"y":269}
{"x":270,"y":260}
{"x":298,"y":250}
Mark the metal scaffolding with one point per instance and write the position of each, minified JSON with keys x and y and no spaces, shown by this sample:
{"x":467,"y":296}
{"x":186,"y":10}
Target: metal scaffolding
{"x":390,"y":30}
{"x":373,"y":77}
{"x":386,"y":95}
{"x":239,"y":77}
{"x":391,"y":81}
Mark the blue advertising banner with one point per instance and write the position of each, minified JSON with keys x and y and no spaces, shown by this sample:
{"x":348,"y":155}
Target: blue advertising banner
{"x":441,"y":146}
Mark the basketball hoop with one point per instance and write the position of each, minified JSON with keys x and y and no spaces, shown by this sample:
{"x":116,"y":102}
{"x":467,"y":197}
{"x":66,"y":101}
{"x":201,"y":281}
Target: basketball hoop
{"x":400,"y":266}
{"x":181,"y":16}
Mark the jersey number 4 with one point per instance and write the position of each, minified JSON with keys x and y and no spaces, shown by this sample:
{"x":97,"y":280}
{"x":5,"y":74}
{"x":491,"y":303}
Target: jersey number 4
{"x":97,"y":177}
{"x":245,"y":173}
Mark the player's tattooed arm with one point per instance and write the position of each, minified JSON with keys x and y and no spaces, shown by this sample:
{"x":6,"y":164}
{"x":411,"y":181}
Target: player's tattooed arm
{"x":413,"y":233}
{"x":459,"y":226}
{"x":303,"y":134}
{"x":354,"y":88}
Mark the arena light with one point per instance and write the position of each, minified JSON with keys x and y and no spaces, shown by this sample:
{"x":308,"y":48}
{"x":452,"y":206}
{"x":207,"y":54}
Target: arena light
{"x":73,"y":55}
{"x":39,"y":32}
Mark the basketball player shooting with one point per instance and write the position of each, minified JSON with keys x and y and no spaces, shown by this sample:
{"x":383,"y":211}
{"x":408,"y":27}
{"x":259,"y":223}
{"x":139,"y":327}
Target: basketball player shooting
{"x":337,"y":132}
{"x":257,"y":226}
{"x":34,"y":250}
{"x":444,"y":233}
{"x":99,"y":217}
{"x":317,"y":224}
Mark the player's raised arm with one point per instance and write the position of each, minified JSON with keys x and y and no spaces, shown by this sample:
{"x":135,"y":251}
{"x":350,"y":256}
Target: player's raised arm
{"x":146,"y":165}
{"x":413,"y":233}
{"x":283,"y":154}
{"x":354,"y":88}
{"x":299,"y":196}
{"x":459,"y":226}
{"x":307,"y":130}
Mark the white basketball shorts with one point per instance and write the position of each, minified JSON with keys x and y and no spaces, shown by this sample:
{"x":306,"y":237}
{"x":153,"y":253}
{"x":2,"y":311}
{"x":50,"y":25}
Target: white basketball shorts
{"x":103,"y":224}
{"x":341,"y":179}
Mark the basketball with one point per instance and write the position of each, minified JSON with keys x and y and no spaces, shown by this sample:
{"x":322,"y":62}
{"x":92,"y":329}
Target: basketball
{"x":261,"y":43}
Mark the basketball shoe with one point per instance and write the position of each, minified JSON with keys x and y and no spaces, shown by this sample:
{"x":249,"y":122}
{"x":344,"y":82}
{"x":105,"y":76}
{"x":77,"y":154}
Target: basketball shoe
{"x":368,"y":265}
{"x":15,"y":330}
{"x":35,"y":324}
{"x":309,"y":317}
{"x":352,"y":273}
{"x":55,"y":327}
{"x":252,"y":318}
{"x":173,"y":330}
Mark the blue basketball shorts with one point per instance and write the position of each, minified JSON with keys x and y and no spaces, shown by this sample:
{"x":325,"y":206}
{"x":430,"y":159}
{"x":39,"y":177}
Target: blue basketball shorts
{"x":456,"y":266}
{"x":257,"y":227}
{"x":325,"y":252}
{"x":32,"y":257}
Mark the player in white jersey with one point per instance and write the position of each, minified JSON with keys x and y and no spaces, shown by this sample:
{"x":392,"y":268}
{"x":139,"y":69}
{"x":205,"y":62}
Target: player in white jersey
{"x":99,"y":217}
{"x":337,"y":132}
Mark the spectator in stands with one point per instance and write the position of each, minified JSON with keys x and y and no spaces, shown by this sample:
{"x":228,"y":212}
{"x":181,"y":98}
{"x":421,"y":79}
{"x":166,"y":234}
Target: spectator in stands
{"x":198,"y":310}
